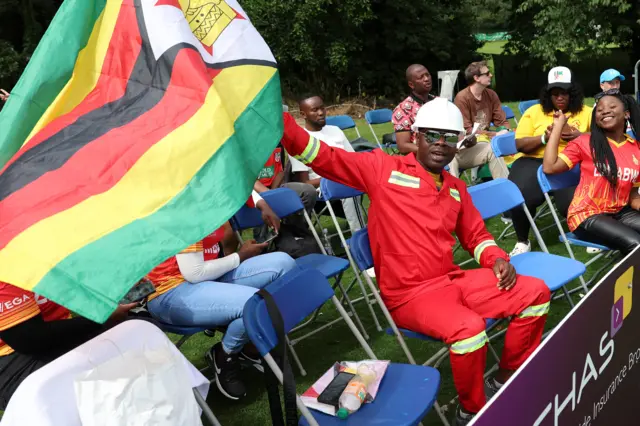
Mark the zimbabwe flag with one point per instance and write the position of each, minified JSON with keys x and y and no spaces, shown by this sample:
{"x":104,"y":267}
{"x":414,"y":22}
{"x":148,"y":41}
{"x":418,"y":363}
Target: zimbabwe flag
{"x":138,"y":127}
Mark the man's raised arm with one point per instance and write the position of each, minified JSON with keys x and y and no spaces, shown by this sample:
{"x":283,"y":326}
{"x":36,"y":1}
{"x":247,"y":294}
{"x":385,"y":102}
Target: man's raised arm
{"x":357,"y":170}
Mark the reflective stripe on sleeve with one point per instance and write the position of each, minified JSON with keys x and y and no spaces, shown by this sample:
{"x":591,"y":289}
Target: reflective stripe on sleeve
{"x":481,"y":247}
{"x":311,"y":151}
{"x":535,"y":311}
{"x":402,"y":179}
{"x":470,"y":345}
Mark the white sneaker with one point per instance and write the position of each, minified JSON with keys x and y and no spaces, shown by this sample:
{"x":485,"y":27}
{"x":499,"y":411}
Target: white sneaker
{"x":593,"y":250}
{"x":371,"y":272}
{"x":520,"y":248}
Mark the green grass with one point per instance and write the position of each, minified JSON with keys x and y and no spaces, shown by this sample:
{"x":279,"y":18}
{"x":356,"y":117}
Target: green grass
{"x":318,"y":352}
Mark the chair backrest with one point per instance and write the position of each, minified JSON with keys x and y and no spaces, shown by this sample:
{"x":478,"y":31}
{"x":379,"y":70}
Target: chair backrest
{"x":550,"y":183}
{"x":504,"y":144}
{"x":378,"y":116}
{"x":298,"y":293}
{"x":361,"y":249}
{"x":525,"y":105}
{"x":508,"y":112}
{"x":344,"y":122}
{"x":331,"y":190}
{"x":283,"y":201}
{"x":495,"y":197}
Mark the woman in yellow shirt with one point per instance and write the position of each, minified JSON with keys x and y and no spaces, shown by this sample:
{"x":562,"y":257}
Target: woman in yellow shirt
{"x":534,"y":129}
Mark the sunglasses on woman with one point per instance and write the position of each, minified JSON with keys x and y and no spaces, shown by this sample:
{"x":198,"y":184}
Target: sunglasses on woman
{"x":610,"y":92}
{"x":433,"y":136}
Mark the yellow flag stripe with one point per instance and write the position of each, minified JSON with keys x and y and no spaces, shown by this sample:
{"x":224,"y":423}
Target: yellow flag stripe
{"x":90,"y":61}
{"x":171,"y":162}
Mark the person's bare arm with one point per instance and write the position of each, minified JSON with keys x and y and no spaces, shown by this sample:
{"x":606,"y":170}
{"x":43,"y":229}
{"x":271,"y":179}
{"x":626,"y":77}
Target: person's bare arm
{"x":405,"y":146}
{"x":277,"y":181}
{"x":531,"y":143}
{"x":259,"y":187}
{"x":634,"y":198}
{"x":303,"y":177}
{"x":551,"y":163}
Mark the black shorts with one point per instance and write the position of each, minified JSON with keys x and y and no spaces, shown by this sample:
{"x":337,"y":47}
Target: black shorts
{"x":14,"y":368}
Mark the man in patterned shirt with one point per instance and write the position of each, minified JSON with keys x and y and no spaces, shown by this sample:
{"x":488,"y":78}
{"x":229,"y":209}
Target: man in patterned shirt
{"x":419,"y":81}
{"x":472,"y":154}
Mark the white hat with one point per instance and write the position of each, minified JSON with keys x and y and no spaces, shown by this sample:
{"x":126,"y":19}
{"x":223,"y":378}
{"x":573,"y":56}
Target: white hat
{"x":439,"y":114}
{"x":559,"y":77}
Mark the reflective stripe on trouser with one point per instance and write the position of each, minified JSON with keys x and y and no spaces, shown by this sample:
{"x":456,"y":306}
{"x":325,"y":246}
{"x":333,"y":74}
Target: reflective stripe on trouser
{"x":471,"y":344}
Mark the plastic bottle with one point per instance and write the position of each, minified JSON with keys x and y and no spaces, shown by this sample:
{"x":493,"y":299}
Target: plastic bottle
{"x":355,"y":393}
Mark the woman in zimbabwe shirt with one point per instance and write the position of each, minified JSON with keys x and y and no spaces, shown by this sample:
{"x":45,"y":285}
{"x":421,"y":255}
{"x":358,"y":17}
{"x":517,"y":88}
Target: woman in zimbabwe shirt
{"x":605,"y":206}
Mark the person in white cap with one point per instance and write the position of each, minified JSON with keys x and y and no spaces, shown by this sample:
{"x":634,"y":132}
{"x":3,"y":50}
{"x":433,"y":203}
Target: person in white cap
{"x":610,"y":79}
{"x":532,"y":134}
{"x":416,"y":207}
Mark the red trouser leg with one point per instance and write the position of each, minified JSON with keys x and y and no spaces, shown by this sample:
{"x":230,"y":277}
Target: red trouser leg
{"x":527,"y":302}
{"x":455,"y":314}
{"x":441,"y":314}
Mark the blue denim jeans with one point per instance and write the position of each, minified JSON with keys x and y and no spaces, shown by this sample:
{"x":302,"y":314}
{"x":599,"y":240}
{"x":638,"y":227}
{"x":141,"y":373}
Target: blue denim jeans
{"x":217,"y":303}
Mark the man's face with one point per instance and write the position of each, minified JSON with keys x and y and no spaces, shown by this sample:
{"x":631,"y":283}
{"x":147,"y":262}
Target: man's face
{"x":484,"y":78}
{"x":313,"y":111}
{"x":613,"y":84}
{"x":420,"y":81}
{"x":435,"y":152}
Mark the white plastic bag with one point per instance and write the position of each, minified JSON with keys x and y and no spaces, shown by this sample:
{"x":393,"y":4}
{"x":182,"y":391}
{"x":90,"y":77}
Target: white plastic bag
{"x":139,"y":388}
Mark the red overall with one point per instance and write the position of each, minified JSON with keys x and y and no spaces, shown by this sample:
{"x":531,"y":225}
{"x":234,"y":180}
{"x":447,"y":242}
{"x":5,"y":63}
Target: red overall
{"x":410,"y":229}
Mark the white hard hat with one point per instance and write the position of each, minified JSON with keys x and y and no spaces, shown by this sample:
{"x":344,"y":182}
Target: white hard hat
{"x":439,"y":114}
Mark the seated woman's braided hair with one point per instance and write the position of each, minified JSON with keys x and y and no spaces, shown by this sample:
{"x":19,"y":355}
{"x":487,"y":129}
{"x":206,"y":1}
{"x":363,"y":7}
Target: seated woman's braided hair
{"x":601,"y":151}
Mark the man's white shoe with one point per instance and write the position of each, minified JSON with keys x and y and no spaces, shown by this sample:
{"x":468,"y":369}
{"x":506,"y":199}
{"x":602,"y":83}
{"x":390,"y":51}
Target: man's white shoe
{"x":520,"y":248}
{"x":371,"y":272}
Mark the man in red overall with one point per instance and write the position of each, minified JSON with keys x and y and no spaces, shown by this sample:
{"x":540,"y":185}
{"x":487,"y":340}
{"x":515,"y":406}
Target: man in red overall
{"x":415,"y":208}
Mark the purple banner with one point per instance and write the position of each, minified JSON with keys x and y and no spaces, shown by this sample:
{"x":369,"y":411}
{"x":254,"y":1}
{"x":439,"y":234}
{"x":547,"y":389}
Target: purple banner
{"x":587,"y":372}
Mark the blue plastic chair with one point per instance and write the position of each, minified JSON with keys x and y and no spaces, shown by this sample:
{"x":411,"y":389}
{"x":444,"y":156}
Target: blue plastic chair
{"x":332,"y":191}
{"x":500,"y":195}
{"x":344,"y":122}
{"x":406,"y":393}
{"x":378,"y":116}
{"x":509,"y":113}
{"x":285,"y":202}
{"x":550,"y":183}
{"x":525,"y":105}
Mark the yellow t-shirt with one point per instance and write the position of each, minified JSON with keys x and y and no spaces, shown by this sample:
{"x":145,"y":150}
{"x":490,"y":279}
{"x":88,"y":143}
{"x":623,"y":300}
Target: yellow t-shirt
{"x":534,"y":122}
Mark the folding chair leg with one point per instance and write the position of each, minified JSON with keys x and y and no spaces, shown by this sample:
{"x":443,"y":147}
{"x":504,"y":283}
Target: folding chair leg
{"x":294,"y":354}
{"x":353,"y":310}
{"x":353,"y":328}
{"x":440,"y":412}
{"x":206,"y":410}
{"x":390,"y":320}
{"x":353,"y":265}
{"x":183,"y":340}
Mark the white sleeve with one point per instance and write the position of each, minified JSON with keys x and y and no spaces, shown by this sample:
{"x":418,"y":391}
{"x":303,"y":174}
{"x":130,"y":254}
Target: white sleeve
{"x":255,"y":197}
{"x":195,"y":269}
{"x":297,"y":166}
{"x":346,"y":143}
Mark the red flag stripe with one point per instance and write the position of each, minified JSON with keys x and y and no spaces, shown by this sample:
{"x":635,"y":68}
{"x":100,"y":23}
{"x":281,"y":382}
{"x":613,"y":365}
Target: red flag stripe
{"x":105,"y":160}
{"x":112,"y":82}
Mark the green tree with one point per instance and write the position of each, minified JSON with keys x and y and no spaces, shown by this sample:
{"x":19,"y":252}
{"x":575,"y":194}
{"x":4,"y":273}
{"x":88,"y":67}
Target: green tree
{"x":584,"y":29}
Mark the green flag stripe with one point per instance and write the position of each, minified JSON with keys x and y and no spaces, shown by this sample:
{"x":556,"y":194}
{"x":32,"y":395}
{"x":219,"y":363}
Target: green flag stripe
{"x":110,"y":265}
{"x":67,"y":35}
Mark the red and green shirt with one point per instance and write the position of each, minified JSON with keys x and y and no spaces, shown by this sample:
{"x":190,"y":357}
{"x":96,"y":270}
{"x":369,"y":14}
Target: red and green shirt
{"x":594,"y":195}
{"x":272,"y":167}
{"x":18,"y":305}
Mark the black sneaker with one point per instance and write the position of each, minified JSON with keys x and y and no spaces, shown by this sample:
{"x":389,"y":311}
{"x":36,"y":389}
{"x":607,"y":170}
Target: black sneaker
{"x":249,"y":359}
{"x":490,"y":388}
{"x":462,"y":418}
{"x":226,"y":368}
